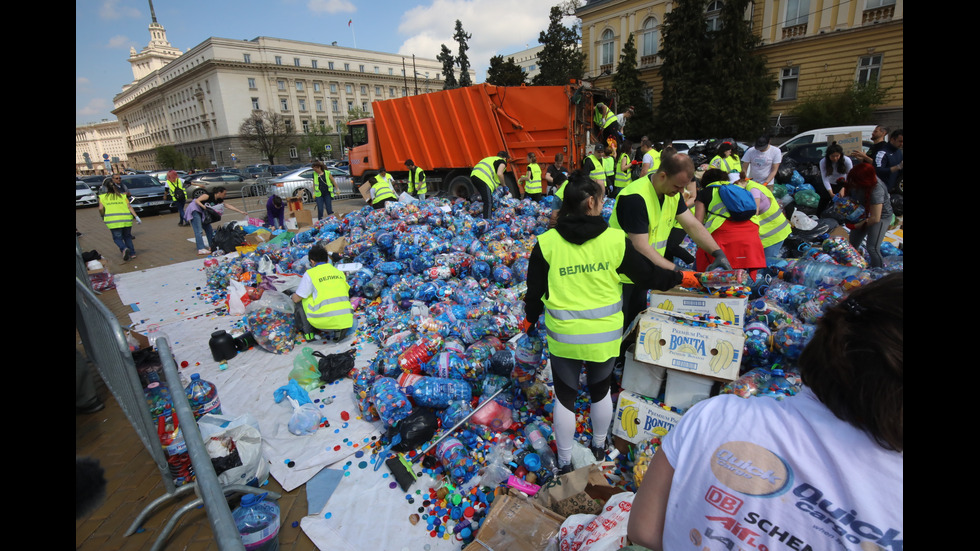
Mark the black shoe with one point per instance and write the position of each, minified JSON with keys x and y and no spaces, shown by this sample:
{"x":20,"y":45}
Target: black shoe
{"x":598,"y":453}
{"x":97,"y":405}
{"x":565,"y":470}
{"x":126,"y":255}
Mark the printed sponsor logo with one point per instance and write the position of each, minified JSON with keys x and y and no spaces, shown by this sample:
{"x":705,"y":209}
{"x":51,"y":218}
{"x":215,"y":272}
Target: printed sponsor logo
{"x":751,"y":469}
{"x":722,"y":500}
{"x":688,"y":345}
{"x":583,"y":268}
{"x":844,"y":521}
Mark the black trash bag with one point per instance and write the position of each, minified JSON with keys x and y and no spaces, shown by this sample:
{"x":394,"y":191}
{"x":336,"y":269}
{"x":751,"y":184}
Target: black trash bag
{"x":230,"y":461}
{"x":228,"y":237}
{"x":334,"y":367}
{"x":811,"y":174}
{"x":90,"y":256}
{"x":416,"y":429}
{"x":149,"y":368}
{"x":898,"y":205}
{"x":785,"y":172}
{"x":502,"y":362}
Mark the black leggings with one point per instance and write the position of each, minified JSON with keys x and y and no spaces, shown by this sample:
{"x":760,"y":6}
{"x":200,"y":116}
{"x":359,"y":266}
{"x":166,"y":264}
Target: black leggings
{"x":565,"y":373}
{"x":486,"y":196}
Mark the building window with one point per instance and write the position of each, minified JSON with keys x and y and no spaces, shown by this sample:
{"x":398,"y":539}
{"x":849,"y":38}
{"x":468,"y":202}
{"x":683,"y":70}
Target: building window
{"x":281,"y":84}
{"x":334,"y":107}
{"x":872,"y":4}
{"x":347,"y":66}
{"x":789,"y":80}
{"x":278,"y":60}
{"x":651,"y":38}
{"x":330,"y":65}
{"x":606,"y":48}
{"x":350,"y":105}
{"x":284,"y":104}
{"x":797,"y":12}
{"x":349,"y":88}
{"x":319,"y":105}
{"x":296,"y":62}
{"x":391,"y":91}
{"x":869,"y":69}
{"x":302,"y":104}
{"x":306,"y":126}
{"x":289,"y":124}
{"x":248,"y":58}
{"x":255,"y":104}
{"x":299,"y":85}
{"x":316,"y":87}
{"x":712,"y":16}
{"x":362,"y":68}
{"x":313,"y":63}
{"x":251,"y":83}
{"x":377,"y":90}
{"x":377,"y":70}
{"x":333,"y":88}
{"x":293,"y":152}
{"x":364,"y":105}
{"x":391,"y":71}
{"x":363,"y":89}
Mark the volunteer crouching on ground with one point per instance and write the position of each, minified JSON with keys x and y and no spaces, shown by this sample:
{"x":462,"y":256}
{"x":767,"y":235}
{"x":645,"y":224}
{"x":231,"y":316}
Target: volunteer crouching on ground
{"x":323,"y":299}
{"x":819,"y":470}
{"x":574,"y":277}
{"x":486,"y":176}
{"x":197,"y":213}
{"x":382,"y":190}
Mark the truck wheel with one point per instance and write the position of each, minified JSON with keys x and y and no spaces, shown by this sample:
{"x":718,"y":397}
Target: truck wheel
{"x":461,"y":186}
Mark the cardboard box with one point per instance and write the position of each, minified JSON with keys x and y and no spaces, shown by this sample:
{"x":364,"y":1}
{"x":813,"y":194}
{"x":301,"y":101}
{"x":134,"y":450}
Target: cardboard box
{"x":258,"y":237}
{"x":639,"y":418}
{"x":517,"y":524}
{"x":710,"y":351}
{"x":294,"y":204}
{"x":849,"y":141}
{"x":729,"y":309}
{"x":337,"y":245}
{"x":303,"y":218}
{"x":686,"y":389}
{"x":642,"y":378}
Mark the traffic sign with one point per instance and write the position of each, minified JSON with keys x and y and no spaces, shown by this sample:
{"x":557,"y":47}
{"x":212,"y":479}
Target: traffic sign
{"x":329,"y":147}
{"x":105,"y":156}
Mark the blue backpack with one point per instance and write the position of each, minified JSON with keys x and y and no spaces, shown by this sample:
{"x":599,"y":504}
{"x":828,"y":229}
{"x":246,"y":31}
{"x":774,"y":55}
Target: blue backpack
{"x":738,"y":200}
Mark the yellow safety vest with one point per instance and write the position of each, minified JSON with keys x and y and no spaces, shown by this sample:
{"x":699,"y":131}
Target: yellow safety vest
{"x":609,"y":165}
{"x":117,"y":213}
{"x":656,"y":160}
{"x":598,"y":170}
{"x":561,"y":191}
{"x":716,"y":212}
{"x":661,"y":219}
{"x":316,"y":183}
{"x":584,"y":303}
{"x":328,"y":306}
{"x":606,"y":121}
{"x":622,"y":178}
{"x":728,"y":164}
{"x":534,"y":184}
{"x":773,"y":225}
{"x":485,"y":172}
{"x":416,"y":181}
{"x":173,"y":188}
{"x":382,"y":190}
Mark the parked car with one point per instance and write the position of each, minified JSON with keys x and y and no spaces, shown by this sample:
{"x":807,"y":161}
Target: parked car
{"x":811,"y":153}
{"x":147,"y":194}
{"x":254,"y":172}
{"x":279,"y":170}
{"x":821,"y":135}
{"x":299,"y":183}
{"x":210,"y":180}
{"x":84,"y":196}
{"x":161,"y":175}
{"x":93,"y":182}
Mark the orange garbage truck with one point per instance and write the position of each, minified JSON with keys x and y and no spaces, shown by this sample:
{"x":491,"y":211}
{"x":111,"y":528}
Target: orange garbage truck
{"x":447,"y":133}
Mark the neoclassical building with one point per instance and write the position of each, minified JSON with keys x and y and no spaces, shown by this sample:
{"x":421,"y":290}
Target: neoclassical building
{"x":810,"y":45}
{"x":96,"y":139}
{"x":197,"y":100}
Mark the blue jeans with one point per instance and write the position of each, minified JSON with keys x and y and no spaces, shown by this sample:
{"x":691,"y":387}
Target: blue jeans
{"x":123,"y":238}
{"x":324,"y":202}
{"x":197,"y":226}
{"x":772,"y":252}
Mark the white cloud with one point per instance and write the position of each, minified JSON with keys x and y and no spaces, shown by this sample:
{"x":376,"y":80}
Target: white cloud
{"x":81,"y":82}
{"x":331,"y":6}
{"x":95,"y":106}
{"x":119,"y":41}
{"x":497,"y":26}
{"x":111,"y":9}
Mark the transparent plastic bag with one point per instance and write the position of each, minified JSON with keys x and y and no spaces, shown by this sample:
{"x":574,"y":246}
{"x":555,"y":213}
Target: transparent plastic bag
{"x":305,"y":370}
{"x":270,"y":319}
{"x":305,"y":418}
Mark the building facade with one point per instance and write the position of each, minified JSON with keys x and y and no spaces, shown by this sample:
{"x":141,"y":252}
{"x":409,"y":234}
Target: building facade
{"x":528,"y":61}
{"x":93,"y":141}
{"x":197,"y":100}
{"x":811,"y":46}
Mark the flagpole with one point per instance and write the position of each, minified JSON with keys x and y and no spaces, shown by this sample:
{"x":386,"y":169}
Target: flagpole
{"x":350,"y":23}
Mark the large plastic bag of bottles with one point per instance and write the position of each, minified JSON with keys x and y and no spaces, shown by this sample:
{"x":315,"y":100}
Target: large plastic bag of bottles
{"x":270,"y":319}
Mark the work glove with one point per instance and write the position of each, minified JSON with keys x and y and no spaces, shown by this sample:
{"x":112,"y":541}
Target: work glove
{"x":692,"y":280}
{"x":138,"y":219}
{"x":721,"y":261}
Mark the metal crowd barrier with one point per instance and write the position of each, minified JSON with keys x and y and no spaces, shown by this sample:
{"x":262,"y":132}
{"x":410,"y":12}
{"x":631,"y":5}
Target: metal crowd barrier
{"x":106,"y":345}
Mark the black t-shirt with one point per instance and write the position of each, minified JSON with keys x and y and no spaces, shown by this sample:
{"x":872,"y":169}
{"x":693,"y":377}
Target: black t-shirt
{"x":631,"y":211}
{"x":558,"y":176}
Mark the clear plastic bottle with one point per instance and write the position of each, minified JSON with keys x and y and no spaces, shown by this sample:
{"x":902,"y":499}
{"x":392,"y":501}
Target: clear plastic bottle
{"x":203,"y":397}
{"x":158,"y":398}
{"x":437,"y":392}
{"x":174,"y":447}
{"x":258,"y":521}
{"x":535,"y":436}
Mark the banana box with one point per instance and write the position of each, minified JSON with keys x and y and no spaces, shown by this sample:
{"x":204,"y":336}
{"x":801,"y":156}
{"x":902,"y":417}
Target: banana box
{"x":640,"y":418}
{"x":731,"y":310}
{"x":676,"y":341}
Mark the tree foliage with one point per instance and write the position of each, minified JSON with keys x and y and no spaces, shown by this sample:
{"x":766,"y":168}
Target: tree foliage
{"x":267,"y":133}
{"x":851,"y":106}
{"x":631,"y":91}
{"x":169,"y":158}
{"x":561,"y":59}
{"x":462,"y":60}
{"x":505,"y":73}
{"x":316,"y":139}
{"x":715,"y":83}
{"x":448,"y":68}
{"x":353,"y":114}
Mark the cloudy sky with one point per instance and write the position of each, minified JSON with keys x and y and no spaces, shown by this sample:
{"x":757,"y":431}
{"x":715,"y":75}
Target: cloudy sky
{"x":106,"y":29}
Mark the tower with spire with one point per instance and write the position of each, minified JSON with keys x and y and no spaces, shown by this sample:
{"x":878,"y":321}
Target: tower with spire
{"x":156,"y":54}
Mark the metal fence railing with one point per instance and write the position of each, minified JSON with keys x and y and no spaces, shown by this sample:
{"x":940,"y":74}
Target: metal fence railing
{"x":106,"y":345}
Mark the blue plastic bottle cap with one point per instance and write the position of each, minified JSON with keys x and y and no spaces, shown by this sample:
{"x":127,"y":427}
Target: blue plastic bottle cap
{"x":532,"y":461}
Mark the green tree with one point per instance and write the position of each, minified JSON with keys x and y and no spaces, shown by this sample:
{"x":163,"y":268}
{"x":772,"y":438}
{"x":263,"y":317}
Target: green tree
{"x":631,"y":91}
{"x":353,"y":114}
{"x":505,"y":73}
{"x":169,"y":158}
{"x":448,"y":68}
{"x":561,"y":59}
{"x":715,"y":83}
{"x":462,"y":60}
{"x":267,"y":133}
{"x":853,"y":105}
{"x":317,"y":138}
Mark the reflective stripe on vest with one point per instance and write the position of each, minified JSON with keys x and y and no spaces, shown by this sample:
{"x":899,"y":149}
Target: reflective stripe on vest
{"x":382,"y":190}
{"x":173,"y":187}
{"x":660,"y":218}
{"x":485,"y":172}
{"x":117,"y":213}
{"x":622,"y":178}
{"x":773,"y":225}
{"x":328,"y":306}
{"x":717,"y":212}
{"x":416,"y":181}
{"x":598,"y":170}
{"x":609,"y":166}
{"x":316,"y":183}
{"x":605,"y":122}
{"x":533,"y":185}
{"x":583,"y":307}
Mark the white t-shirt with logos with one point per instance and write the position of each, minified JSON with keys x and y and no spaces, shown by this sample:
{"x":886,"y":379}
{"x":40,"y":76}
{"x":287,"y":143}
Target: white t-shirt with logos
{"x":760,"y":162}
{"x":773,"y":475}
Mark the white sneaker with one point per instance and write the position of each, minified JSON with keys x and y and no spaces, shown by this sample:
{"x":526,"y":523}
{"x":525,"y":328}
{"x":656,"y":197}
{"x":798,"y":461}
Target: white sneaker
{"x":203,"y":252}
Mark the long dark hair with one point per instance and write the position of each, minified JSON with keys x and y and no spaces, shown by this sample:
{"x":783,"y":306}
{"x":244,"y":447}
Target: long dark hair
{"x":578,"y":189}
{"x":840,"y":166}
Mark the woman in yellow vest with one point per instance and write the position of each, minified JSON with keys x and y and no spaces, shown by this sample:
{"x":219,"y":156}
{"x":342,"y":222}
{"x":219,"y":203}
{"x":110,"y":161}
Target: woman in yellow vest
{"x":774,"y":228}
{"x":736,"y":233}
{"x":324,"y":189}
{"x":726,"y":159}
{"x":118,"y":216}
{"x":574,"y":279}
{"x":323,"y":299}
{"x":532,"y":179}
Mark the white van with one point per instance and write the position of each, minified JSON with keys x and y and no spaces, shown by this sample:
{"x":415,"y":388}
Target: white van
{"x":821,"y":135}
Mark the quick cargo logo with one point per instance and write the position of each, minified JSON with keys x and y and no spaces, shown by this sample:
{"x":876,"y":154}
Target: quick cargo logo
{"x":751,"y":469}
